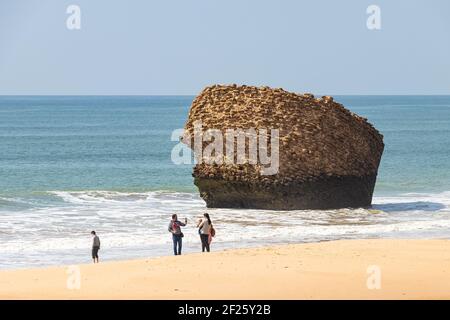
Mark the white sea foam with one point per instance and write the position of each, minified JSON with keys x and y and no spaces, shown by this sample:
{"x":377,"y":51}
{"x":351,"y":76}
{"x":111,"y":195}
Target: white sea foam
{"x":133,"y":224}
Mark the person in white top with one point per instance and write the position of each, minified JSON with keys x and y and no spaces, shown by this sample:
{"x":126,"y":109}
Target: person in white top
{"x":204,"y":230}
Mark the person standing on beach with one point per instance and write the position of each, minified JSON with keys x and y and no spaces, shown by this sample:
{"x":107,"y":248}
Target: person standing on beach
{"x":95,"y":246}
{"x":205,"y":228}
{"x":177,"y":235}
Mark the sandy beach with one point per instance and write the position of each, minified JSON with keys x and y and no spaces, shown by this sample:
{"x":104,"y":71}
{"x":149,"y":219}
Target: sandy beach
{"x":392,"y":269}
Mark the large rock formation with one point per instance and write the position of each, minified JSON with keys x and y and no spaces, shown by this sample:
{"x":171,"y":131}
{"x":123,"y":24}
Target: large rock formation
{"x":328,"y":156}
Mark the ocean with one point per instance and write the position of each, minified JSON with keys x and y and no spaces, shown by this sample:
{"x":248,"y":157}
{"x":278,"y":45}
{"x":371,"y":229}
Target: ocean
{"x":72,"y":164}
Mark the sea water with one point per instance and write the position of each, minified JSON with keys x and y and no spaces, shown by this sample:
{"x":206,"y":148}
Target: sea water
{"x":69,"y":165}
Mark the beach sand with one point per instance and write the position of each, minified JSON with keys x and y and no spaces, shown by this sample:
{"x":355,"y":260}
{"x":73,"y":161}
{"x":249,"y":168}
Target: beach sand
{"x":404,"y":269}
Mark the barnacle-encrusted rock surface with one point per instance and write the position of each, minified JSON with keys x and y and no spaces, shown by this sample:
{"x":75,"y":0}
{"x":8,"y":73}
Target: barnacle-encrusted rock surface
{"x":328,"y":156}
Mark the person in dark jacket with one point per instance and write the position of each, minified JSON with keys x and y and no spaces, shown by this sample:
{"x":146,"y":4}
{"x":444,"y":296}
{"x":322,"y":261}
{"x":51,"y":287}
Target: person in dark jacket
{"x":177,"y":236}
{"x":95,"y":246}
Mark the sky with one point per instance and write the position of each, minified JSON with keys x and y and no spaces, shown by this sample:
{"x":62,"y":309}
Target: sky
{"x":177,"y":47}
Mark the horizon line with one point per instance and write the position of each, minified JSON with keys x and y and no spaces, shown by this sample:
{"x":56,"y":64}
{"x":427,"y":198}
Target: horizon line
{"x":193,"y":95}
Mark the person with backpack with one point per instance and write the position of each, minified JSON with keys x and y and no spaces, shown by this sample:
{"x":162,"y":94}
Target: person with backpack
{"x":206,"y":232}
{"x":177,"y":235}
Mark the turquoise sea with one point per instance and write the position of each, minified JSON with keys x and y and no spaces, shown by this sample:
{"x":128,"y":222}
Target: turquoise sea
{"x":72,"y":164}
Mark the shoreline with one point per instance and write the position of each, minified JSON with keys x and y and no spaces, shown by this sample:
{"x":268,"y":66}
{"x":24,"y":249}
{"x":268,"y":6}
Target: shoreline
{"x":342,"y":269}
{"x":143,"y":219}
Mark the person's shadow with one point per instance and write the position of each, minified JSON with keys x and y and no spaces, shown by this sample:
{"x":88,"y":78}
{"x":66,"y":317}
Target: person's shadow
{"x":409,"y":206}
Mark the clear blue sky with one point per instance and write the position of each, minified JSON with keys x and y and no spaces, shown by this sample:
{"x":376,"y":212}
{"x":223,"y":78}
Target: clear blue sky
{"x":180,"y":46}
